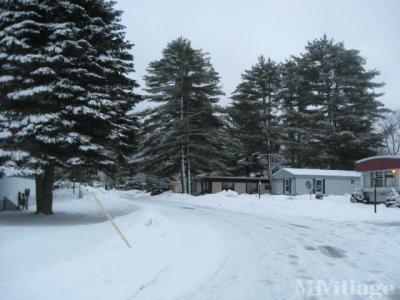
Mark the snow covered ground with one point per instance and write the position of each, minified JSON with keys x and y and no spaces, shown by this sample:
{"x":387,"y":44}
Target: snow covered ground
{"x":222,"y":246}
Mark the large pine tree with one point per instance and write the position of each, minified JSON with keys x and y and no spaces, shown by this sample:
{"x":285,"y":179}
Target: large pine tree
{"x":255,"y":117}
{"x":181,"y":134}
{"x":298,"y":116}
{"x":341,"y":103}
{"x":64,"y":90}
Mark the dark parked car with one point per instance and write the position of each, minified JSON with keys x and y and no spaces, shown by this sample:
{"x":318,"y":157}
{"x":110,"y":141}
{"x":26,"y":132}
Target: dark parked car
{"x":130,"y":186}
{"x":158,"y":191}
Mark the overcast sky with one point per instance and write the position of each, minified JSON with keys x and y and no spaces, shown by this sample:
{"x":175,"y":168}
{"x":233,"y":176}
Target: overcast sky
{"x":235,"y":32}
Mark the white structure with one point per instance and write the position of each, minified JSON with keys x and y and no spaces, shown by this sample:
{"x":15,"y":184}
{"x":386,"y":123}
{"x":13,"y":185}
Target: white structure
{"x":291,"y":181}
{"x":10,"y":186}
{"x":379,"y":175}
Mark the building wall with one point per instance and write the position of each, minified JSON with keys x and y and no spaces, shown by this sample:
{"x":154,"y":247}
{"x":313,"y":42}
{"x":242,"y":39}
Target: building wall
{"x":301,"y":188}
{"x":333,"y":186}
{"x":294,"y":186}
{"x":381,"y":192}
{"x":277,"y":186}
{"x":243,"y":189}
{"x":175,"y":186}
{"x":263,"y":189}
{"x":366,"y":179}
{"x":196,"y":187}
{"x":240,"y":187}
{"x":216,"y":187}
{"x":340,"y":186}
{"x":10,"y":186}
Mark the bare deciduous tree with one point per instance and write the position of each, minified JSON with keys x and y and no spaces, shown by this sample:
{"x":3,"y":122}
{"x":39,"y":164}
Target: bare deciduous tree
{"x":390,"y":128}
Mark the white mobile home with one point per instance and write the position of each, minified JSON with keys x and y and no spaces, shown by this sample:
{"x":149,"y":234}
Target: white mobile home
{"x":292,"y":181}
{"x":379,"y":175}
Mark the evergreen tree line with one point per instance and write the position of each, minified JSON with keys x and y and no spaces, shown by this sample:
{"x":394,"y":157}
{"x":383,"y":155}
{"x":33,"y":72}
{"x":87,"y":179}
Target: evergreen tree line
{"x":314,"y":110}
{"x":66,"y":101}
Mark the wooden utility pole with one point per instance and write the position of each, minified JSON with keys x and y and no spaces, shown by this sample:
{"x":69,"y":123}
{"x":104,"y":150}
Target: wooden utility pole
{"x":111,"y":220}
{"x":183,"y":171}
{"x":188,"y":168}
{"x":375,"y":181}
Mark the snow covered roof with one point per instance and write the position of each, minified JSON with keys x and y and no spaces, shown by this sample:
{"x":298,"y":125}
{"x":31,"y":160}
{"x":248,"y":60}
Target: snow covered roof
{"x":320,"y":172}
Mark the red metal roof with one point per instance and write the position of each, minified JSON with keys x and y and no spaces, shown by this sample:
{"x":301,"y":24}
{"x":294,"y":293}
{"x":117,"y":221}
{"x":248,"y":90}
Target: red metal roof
{"x":377,"y":163}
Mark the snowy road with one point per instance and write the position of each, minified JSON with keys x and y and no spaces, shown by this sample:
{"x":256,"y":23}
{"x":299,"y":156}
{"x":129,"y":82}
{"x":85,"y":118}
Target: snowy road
{"x":220,"y":246}
{"x":230,"y":255}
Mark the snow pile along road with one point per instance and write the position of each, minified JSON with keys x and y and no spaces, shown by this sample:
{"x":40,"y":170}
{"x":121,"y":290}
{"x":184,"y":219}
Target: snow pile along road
{"x":221,"y":246}
{"x":76,"y":254}
{"x":334,"y":208}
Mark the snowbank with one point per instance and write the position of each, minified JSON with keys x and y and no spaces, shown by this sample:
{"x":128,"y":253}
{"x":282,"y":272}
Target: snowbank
{"x":177,"y":246}
{"x":76,"y":253}
{"x":332,"y":208}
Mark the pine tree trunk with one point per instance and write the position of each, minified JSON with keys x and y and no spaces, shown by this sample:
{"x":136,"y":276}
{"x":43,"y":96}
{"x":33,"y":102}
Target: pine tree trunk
{"x":44,"y":191}
{"x":48,"y":190}
{"x":39,"y":192}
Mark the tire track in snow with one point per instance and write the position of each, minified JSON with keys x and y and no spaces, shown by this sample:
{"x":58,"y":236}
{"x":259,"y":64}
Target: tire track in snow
{"x":148,"y":284}
{"x":270,"y":254}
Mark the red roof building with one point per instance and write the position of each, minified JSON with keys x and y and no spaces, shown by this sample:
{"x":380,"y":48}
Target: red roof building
{"x":382,"y":172}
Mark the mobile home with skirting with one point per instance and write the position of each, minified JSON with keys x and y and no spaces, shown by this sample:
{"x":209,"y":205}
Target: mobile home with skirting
{"x":381,"y":173}
{"x":293,"y":181}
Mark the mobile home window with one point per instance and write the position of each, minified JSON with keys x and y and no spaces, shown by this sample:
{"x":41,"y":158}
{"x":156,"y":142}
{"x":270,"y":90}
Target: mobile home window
{"x":352,"y":181}
{"x":366,"y":180}
{"x":389,"y":179}
{"x":287,"y":186}
{"x":228,"y":186}
{"x":379,"y":179}
{"x":252,"y":188}
{"x":205,"y":187}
